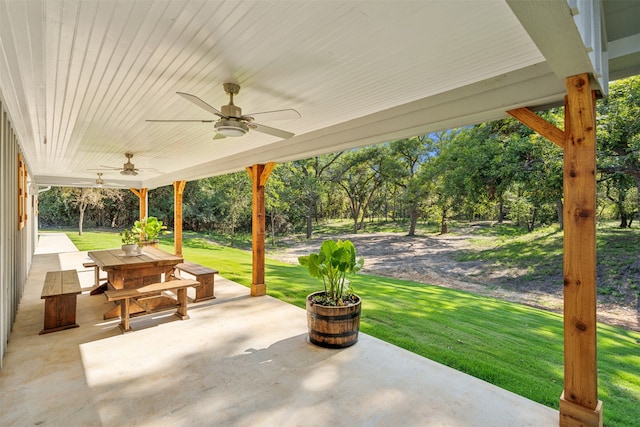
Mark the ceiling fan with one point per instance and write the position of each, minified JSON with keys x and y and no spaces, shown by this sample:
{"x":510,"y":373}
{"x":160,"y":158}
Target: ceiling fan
{"x":231,"y":122}
{"x":128,"y":168}
{"x":99,"y":182}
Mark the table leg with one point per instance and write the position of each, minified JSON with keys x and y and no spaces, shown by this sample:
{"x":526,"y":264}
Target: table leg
{"x":182,"y":304}
{"x":124,"y":315}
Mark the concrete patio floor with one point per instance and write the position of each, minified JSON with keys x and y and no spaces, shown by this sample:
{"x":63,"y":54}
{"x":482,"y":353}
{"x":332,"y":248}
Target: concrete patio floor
{"x":238,"y":361}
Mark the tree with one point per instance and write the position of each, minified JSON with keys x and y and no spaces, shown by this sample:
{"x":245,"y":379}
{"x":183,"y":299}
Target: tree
{"x":307,"y":175}
{"x":411,"y":154}
{"x":234,"y":197}
{"x":275,"y":201}
{"x":442,"y":175}
{"x":619,"y":130}
{"x":83,"y":198}
{"x":360,"y":173}
{"x":617,"y":189}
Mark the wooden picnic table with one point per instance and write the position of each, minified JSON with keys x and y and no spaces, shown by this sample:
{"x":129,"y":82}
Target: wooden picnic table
{"x":125,"y":272}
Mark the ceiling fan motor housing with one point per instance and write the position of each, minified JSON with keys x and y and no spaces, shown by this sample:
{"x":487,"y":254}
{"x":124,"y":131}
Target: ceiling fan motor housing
{"x":231,"y":110}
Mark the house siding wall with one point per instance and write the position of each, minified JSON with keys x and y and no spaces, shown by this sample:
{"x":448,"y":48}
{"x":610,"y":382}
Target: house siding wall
{"x":16,"y":245}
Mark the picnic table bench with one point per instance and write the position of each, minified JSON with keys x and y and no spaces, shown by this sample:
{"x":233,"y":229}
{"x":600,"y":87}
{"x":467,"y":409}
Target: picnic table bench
{"x":202,"y":274}
{"x":127,"y":296}
{"x":59,"y":294}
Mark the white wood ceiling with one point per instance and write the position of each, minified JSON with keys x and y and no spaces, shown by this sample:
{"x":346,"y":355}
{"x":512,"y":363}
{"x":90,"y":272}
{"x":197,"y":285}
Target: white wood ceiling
{"x":85,"y":75}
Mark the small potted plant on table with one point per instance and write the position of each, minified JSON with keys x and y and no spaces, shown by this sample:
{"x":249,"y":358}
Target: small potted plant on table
{"x":129,"y":242}
{"x":333,"y":315}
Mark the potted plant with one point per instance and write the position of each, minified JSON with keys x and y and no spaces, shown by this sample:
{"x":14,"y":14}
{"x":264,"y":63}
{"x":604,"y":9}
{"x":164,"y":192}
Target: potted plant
{"x":149,"y":229}
{"x":333,"y":315}
{"x":129,"y":242}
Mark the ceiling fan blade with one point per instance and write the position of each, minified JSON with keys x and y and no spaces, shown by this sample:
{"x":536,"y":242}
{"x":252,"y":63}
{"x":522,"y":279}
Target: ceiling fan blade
{"x":148,"y":170}
{"x":200,"y":103}
{"x":105,"y":168}
{"x":287,"y":114}
{"x":168,"y":121}
{"x":271,"y":131}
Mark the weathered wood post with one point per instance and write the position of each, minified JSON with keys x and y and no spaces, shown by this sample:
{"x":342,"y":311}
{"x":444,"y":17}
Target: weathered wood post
{"x":259,"y":174}
{"x":178,"y":190}
{"x":143,"y":200}
{"x":579,"y":404}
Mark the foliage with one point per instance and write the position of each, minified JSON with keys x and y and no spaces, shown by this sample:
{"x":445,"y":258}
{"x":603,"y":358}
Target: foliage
{"x":360,"y":173}
{"x":83,"y":198}
{"x":129,"y":238}
{"x":59,"y":207}
{"x":413,"y":154}
{"x":618,"y":137}
{"x":149,"y":229}
{"x":335,"y":263}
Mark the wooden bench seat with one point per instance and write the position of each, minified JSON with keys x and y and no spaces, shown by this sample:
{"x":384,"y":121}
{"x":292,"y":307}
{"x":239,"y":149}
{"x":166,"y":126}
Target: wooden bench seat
{"x":59,"y":293}
{"x":125,"y":296}
{"x":202,"y":274}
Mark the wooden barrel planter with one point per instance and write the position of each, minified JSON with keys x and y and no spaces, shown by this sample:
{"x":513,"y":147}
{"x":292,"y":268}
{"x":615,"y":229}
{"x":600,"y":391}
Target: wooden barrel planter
{"x":332,"y":326}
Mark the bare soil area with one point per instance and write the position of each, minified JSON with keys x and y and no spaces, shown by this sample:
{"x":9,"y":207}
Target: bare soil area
{"x":433,"y":260}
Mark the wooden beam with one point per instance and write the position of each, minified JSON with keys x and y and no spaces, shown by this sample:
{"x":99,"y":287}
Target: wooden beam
{"x":259,"y":174}
{"x":266,"y":172}
{"x":538,"y":124}
{"x":178,"y":190}
{"x":579,"y":404}
{"x":142,"y":197}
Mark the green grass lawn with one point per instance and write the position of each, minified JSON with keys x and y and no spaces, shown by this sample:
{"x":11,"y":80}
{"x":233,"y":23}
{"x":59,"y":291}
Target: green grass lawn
{"x":515,"y":347}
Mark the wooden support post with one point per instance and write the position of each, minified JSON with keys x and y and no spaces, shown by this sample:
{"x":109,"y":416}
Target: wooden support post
{"x":142,"y":197}
{"x":178,"y":190}
{"x":259,"y":175}
{"x":579,"y":404}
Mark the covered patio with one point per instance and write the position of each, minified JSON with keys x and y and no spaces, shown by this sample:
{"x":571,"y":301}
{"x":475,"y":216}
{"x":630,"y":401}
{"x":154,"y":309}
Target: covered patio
{"x":237,"y":361}
{"x":83,"y":85}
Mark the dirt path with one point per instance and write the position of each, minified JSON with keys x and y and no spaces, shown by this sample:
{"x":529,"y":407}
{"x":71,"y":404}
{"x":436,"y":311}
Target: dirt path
{"x":432,"y":259}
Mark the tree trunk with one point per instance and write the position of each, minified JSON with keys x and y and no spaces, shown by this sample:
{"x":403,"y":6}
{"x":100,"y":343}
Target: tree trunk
{"x":82,"y":208}
{"x":623,"y":219}
{"x":309,"y":218}
{"x":501,"y":210}
{"x":531,"y":224}
{"x":560,"y":212}
{"x":273,"y":229}
{"x":233,"y":231}
{"x":637,"y":181}
{"x":444,"y":229}
{"x":414,"y":214}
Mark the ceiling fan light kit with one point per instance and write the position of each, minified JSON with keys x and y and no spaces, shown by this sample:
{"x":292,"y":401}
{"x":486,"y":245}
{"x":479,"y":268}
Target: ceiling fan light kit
{"x":231,"y":127}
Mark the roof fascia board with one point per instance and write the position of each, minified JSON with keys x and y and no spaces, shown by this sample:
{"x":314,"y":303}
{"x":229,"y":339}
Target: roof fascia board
{"x":571,"y":44}
{"x":623,"y":47}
